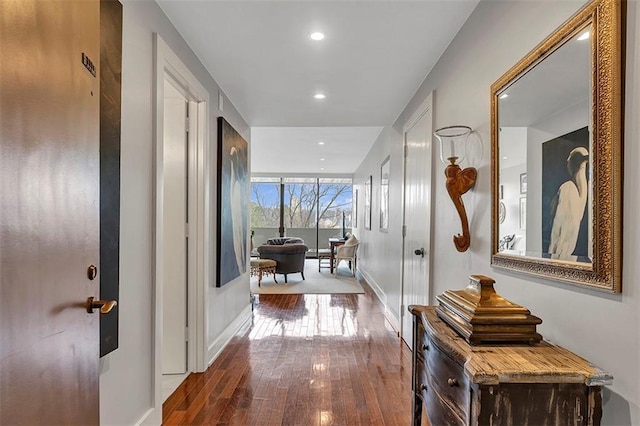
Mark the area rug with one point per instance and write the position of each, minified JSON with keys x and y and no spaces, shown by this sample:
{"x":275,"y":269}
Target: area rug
{"x":315,"y":282}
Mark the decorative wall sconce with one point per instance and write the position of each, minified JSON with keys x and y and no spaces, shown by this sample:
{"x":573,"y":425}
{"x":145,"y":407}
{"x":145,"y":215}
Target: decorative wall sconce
{"x":453,"y":149}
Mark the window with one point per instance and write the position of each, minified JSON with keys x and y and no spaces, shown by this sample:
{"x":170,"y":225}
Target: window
{"x":265,"y":203}
{"x":313,"y":209}
{"x":335,"y":204}
{"x":300,"y":203}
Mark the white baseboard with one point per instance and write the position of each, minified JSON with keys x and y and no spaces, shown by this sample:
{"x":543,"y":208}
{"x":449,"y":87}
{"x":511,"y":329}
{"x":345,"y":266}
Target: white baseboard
{"x":381,"y":295}
{"x":152,"y":417}
{"x":227,"y":334}
{"x":374,"y":286}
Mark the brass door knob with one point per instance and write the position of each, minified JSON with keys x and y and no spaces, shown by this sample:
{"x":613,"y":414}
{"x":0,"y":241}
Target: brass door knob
{"x":105,"y":306}
{"x":452,"y":382}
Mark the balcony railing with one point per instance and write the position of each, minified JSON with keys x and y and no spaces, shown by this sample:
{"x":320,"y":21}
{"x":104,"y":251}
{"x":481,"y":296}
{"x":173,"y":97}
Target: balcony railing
{"x":261,"y":235}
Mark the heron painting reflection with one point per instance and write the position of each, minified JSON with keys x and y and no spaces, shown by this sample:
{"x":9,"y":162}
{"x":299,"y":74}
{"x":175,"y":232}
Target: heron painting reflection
{"x":565,"y":193}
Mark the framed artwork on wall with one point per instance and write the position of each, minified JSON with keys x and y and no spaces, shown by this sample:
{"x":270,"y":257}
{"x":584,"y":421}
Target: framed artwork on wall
{"x":233,"y":194}
{"x":565,"y":194}
{"x":523,"y":183}
{"x":523,"y":213}
{"x":367,"y":203}
{"x":384,"y":195}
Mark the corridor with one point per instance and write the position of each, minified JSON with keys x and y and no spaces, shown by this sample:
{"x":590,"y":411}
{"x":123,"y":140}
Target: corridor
{"x":303,"y":360}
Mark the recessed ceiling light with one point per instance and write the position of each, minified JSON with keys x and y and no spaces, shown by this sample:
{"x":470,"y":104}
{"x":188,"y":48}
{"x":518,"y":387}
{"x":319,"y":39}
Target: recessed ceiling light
{"x":322,"y":159}
{"x":321,"y":168}
{"x":504,"y":96}
{"x":505,"y":158}
{"x":317,"y":36}
{"x":319,"y":96}
{"x":320,"y":143}
{"x":584,"y":36}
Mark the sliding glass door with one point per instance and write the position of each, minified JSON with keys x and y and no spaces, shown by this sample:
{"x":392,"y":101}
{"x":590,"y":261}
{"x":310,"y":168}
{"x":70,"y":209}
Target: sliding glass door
{"x":265,"y":209}
{"x":300,"y":210}
{"x":334,"y":205}
{"x":314,"y":209}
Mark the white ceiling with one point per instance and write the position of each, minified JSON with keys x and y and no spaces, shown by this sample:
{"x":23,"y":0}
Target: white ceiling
{"x":560,"y":81}
{"x":299,"y":151}
{"x":374,"y":57}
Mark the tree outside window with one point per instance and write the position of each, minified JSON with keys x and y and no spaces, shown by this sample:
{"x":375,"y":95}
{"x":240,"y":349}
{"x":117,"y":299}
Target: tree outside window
{"x":302,"y":199}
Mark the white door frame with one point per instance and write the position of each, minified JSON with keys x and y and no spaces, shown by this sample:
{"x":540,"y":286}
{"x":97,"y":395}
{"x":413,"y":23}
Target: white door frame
{"x":425,"y":106}
{"x":169,"y":66}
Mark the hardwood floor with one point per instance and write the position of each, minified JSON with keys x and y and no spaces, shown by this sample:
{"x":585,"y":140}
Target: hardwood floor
{"x":304,"y":360}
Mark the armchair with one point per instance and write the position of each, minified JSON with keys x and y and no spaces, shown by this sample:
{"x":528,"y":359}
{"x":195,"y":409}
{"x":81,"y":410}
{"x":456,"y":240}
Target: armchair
{"x":290,"y":257}
{"x":348,"y":251}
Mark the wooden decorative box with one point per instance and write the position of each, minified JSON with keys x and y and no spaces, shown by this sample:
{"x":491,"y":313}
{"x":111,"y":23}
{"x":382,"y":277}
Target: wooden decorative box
{"x":480,"y":315}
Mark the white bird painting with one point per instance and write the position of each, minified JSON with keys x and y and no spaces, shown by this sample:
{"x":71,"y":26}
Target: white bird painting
{"x":568,"y":206}
{"x":233,"y":204}
{"x":236,"y":193}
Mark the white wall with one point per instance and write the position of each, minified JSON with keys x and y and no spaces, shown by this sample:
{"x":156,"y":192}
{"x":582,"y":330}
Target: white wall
{"x":513,"y":146}
{"x":126,"y":379}
{"x":378,"y":252}
{"x":603,"y":328}
{"x":511,"y":187}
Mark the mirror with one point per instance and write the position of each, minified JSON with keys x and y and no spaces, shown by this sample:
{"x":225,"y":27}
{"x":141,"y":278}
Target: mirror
{"x":556,"y":136}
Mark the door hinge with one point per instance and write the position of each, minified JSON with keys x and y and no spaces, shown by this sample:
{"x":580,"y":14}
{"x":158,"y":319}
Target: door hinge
{"x":401,"y":310}
{"x":186,"y":334}
{"x":186,"y":230}
{"x":406,"y":150}
{"x":404,"y":231}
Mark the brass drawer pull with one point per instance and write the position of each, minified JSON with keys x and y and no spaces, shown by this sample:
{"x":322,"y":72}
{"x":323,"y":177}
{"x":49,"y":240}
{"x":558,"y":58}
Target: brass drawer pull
{"x":425,"y":347}
{"x":423,"y":388}
{"x":452,"y":382}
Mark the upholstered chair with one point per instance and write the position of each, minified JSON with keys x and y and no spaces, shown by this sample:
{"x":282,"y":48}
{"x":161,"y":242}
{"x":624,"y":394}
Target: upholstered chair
{"x":290,"y":256}
{"x":349,"y":252}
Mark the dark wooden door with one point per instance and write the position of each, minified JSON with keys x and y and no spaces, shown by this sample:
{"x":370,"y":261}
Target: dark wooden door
{"x":49,"y":211}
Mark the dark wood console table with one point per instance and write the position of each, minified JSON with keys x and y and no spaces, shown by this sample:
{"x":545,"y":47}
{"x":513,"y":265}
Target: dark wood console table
{"x":505,"y":384}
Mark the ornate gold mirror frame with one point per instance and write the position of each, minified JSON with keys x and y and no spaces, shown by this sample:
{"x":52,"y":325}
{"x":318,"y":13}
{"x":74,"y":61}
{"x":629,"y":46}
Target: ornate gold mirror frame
{"x":606,"y":19}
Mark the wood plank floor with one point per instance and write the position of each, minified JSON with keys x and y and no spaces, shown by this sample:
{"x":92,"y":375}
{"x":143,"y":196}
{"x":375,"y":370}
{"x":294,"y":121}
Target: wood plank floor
{"x":304,"y":360}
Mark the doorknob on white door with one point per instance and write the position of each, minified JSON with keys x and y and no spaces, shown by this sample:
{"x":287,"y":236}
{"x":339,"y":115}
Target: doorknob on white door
{"x":419,"y":252}
{"x":105,"y":306}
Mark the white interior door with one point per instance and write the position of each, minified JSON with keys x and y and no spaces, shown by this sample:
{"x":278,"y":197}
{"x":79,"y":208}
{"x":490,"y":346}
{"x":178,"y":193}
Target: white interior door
{"x":174,"y":213}
{"x":417,"y":214}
